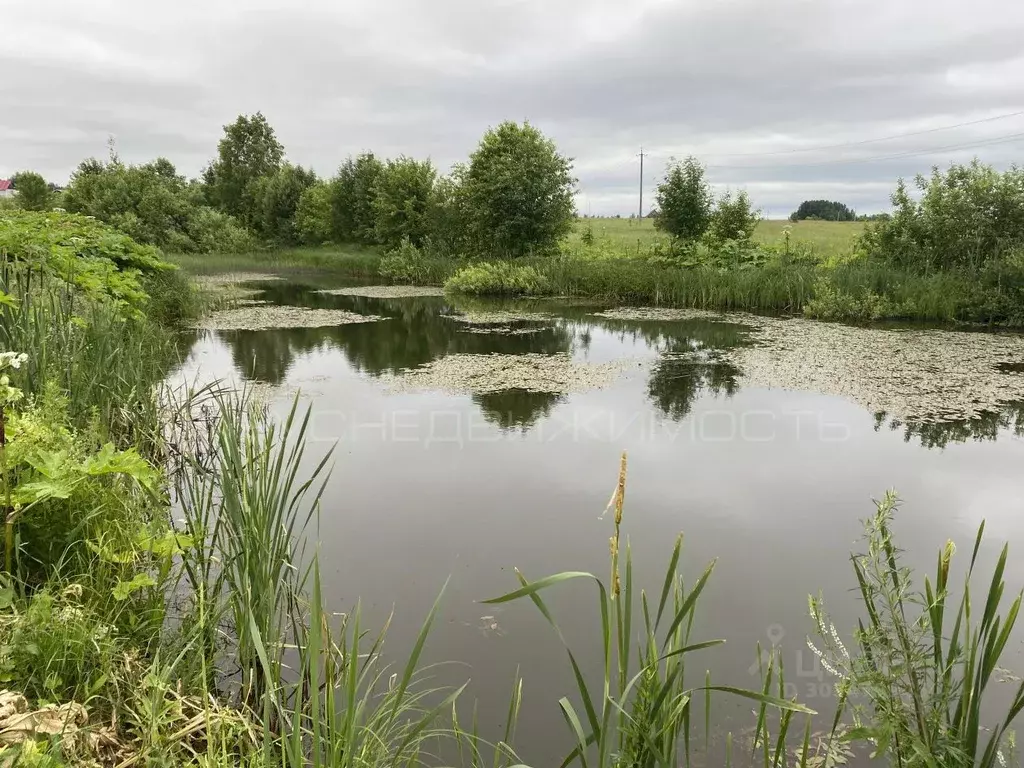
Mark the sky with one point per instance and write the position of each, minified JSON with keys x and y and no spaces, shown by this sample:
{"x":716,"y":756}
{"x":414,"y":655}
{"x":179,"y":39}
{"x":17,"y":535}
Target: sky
{"x":783,"y":98}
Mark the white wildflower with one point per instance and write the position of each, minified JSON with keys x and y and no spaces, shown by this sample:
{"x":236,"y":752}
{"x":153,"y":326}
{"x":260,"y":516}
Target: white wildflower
{"x":839,"y":643}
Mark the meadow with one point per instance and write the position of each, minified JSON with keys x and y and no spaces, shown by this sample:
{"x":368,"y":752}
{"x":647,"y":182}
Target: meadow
{"x":826,"y":238}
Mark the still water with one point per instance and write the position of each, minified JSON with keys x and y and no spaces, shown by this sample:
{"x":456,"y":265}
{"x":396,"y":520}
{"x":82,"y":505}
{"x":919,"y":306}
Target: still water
{"x":429,"y":486}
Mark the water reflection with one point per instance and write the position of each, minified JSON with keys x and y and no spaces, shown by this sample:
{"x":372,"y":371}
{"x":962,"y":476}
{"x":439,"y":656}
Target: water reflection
{"x":987,"y":427}
{"x":516,"y":408}
{"x":687,"y":355}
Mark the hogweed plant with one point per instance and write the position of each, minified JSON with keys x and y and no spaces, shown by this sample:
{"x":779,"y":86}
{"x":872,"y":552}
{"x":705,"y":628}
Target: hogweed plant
{"x":645,"y":718}
{"x":916,"y":686}
{"x":9,"y":395}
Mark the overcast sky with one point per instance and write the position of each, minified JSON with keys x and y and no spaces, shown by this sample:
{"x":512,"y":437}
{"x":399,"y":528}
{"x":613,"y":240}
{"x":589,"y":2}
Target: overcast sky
{"x":746,"y":85}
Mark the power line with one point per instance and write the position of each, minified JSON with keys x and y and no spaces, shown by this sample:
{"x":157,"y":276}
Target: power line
{"x":866,"y":140}
{"x":881,"y":158}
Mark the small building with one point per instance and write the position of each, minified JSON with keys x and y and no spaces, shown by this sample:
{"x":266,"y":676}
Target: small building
{"x":7,"y":188}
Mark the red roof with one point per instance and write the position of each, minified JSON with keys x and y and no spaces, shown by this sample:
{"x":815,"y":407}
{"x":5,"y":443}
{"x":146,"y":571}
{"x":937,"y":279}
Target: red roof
{"x":6,"y":184}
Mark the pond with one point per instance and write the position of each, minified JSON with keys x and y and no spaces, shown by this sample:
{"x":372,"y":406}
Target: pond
{"x":477,"y":437}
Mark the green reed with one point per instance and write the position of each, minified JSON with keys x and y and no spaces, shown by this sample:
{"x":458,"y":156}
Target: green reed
{"x":641,"y":718}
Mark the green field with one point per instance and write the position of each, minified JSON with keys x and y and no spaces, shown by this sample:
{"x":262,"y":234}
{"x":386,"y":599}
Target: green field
{"x":828,"y":238}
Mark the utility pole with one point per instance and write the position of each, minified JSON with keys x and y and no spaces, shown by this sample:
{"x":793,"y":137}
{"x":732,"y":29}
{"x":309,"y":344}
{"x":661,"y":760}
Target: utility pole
{"x":641,"y":209}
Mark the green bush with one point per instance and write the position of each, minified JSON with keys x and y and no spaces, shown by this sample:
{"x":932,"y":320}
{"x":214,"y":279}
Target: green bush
{"x":405,"y":264}
{"x":57,"y":649}
{"x":34,"y":193}
{"x":832,"y":303}
{"x":152,"y":204}
{"x":101,"y":262}
{"x":684,"y":200}
{"x":734,"y":218}
{"x":498,"y":279}
{"x":210,"y":231}
{"x":965,"y":219}
{"x":70,"y":497}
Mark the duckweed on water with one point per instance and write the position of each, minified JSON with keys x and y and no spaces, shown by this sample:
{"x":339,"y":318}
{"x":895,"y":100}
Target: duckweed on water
{"x":916,"y":375}
{"x":234,"y":278}
{"x":662,"y":314}
{"x":385,"y":291}
{"x":500,"y":317}
{"x":480,"y":374}
{"x":505,"y":330}
{"x":261,"y":318}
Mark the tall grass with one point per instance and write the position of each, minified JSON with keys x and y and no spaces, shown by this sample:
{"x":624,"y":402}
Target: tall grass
{"x":108,"y":365}
{"x":922,"y":676}
{"x":348,"y":261}
{"x":321,"y":691}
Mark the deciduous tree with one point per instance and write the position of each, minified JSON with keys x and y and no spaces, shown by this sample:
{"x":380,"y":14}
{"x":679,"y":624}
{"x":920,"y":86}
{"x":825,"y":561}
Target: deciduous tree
{"x":518,"y":192}
{"x":249,"y":150}
{"x":684,"y":201}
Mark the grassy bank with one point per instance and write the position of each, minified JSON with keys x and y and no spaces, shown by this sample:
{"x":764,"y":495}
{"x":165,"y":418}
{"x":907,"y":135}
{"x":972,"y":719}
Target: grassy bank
{"x":352,"y":260}
{"x":803,"y":283}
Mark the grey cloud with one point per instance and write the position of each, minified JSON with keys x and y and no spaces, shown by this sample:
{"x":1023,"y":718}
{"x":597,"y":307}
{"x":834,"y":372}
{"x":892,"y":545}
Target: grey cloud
{"x":404,"y":76}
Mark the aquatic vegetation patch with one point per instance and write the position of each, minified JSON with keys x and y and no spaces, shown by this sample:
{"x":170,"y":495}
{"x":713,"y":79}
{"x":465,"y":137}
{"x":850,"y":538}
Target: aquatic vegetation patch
{"x":260,"y":318}
{"x":233,"y":278}
{"x":385,"y":291}
{"x":477,"y":374}
{"x":500,"y":317}
{"x":505,"y":330}
{"x":915,"y":375}
{"x":663,"y":314}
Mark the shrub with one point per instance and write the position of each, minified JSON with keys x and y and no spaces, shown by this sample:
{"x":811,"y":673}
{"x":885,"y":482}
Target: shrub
{"x":69,"y":496}
{"x":684,"y":201}
{"x":34,"y":193}
{"x":917,"y":687}
{"x":210,"y":231}
{"x":966,"y":218}
{"x":734,"y":218}
{"x":448,"y":219}
{"x":832,"y":303}
{"x":173,"y":298}
{"x":57,"y":649}
{"x":152,"y":204}
{"x":100,"y":261}
{"x":497,"y":279}
{"x":518,"y":192}
{"x":404,"y":264}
